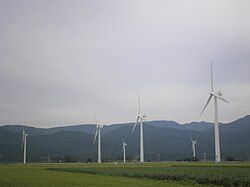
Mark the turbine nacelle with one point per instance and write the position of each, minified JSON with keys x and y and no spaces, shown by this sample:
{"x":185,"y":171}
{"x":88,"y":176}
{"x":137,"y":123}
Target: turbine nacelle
{"x":99,"y":126}
{"x":218,"y":94}
{"x":193,"y":141}
{"x":142,"y":116}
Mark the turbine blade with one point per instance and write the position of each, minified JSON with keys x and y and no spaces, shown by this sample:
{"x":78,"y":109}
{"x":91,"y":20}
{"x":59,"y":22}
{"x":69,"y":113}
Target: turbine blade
{"x":95,"y":135}
{"x":122,"y":141}
{"x":95,"y":120}
{"x":206,"y":105}
{"x":134,"y":128}
{"x":221,"y":98}
{"x":212,"y":86}
{"x":139,"y":104}
{"x":135,"y":123}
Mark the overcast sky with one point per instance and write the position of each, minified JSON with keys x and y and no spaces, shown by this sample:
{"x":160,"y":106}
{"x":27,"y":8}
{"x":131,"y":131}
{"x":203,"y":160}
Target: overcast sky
{"x":63,"y":61}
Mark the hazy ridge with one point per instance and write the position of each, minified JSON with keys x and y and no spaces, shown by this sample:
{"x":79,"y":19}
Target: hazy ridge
{"x":164,"y":140}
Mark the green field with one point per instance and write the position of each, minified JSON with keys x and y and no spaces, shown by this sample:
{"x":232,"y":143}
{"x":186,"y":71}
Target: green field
{"x":131,"y":174}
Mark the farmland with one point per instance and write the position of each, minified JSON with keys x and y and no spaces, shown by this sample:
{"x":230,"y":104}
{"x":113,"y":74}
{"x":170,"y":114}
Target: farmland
{"x":131,"y":174}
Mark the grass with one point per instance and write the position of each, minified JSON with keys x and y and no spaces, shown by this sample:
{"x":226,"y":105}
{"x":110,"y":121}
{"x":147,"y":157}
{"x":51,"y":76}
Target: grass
{"x":41,"y":175}
{"x":236,"y":174}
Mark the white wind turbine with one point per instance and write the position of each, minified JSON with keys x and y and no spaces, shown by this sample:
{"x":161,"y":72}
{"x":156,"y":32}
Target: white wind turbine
{"x":216,"y":123}
{"x":98,"y":133}
{"x":140,"y":119}
{"x":124,"y":150}
{"x":194,"y":142}
{"x":24,"y":146}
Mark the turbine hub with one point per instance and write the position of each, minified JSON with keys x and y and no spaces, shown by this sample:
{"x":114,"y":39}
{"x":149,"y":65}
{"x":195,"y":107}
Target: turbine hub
{"x":219,"y":93}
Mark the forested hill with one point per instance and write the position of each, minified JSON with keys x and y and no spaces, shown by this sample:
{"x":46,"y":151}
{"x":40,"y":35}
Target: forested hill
{"x":164,"y":140}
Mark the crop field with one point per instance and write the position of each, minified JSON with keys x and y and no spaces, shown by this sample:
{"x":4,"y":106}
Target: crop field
{"x":130,"y":174}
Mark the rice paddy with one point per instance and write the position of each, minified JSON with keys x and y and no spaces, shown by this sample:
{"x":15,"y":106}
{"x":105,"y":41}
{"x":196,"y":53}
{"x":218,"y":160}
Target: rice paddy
{"x":129,"y":174}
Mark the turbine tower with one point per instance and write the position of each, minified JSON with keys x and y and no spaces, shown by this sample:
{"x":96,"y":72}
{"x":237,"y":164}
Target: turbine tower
{"x":194,"y":142}
{"x":140,"y":119}
{"x":124,"y":150}
{"x":98,"y":133}
{"x":216,"y":96}
{"x":24,"y":146}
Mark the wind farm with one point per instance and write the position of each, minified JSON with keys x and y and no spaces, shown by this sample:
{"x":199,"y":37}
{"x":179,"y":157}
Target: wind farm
{"x":112,"y":168}
{"x":100,"y":159}
{"x":124,"y":93}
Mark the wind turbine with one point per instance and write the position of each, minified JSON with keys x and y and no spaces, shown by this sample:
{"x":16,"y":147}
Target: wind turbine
{"x":124,"y":150}
{"x":194,"y":142}
{"x":140,"y":119}
{"x":98,"y":133}
{"x":24,"y":147}
{"x":216,"y":123}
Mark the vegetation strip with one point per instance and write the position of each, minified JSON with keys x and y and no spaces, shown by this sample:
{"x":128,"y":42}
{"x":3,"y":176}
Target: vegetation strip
{"x":214,"y":166}
{"x":225,"y":176}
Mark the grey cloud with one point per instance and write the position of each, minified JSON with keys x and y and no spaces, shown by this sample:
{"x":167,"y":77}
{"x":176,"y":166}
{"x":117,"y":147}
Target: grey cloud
{"x":61,"y":62}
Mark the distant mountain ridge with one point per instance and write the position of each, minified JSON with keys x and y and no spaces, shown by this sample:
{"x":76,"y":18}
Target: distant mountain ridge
{"x":196,"y":126}
{"x":164,"y":140}
{"x":90,"y":128}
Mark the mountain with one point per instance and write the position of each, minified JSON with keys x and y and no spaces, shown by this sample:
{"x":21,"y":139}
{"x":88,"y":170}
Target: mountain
{"x":86,"y":128}
{"x":240,"y":125}
{"x":196,"y":126}
{"x":171,"y":144}
{"x":10,"y":146}
{"x":164,"y":140}
{"x":19,"y":128}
